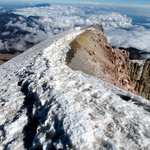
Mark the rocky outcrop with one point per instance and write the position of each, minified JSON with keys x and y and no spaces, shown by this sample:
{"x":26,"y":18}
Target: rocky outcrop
{"x":91,"y":53}
{"x":139,"y":71}
{"x":135,"y":54}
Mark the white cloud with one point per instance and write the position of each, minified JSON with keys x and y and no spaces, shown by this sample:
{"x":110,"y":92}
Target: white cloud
{"x":95,"y":3}
{"x":56,"y":19}
{"x":21,"y":18}
{"x":38,"y":37}
{"x":6,"y":45}
{"x":5,"y":33}
{"x":22,"y":26}
{"x":19,"y":46}
{"x":138,"y":38}
{"x":66,"y":17}
{"x":1,"y":44}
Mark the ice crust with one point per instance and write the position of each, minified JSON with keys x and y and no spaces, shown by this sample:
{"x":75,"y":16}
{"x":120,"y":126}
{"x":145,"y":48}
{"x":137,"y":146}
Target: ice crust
{"x":44,"y":104}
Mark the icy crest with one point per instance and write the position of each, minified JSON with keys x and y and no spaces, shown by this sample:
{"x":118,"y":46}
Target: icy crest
{"x":45,"y":104}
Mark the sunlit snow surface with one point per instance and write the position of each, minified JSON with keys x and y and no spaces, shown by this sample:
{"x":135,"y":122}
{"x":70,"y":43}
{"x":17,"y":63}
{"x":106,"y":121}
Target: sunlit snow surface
{"x":45,"y":104}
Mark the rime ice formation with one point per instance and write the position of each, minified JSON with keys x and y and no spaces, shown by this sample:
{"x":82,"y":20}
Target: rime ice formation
{"x":44,"y":104}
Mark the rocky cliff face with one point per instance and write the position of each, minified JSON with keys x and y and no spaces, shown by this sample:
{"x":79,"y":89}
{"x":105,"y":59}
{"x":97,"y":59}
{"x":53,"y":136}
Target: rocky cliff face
{"x":139,"y":71}
{"x":91,"y":53}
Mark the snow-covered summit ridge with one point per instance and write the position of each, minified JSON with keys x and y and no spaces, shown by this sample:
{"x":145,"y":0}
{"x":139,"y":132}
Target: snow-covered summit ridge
{"x":44,"y":104}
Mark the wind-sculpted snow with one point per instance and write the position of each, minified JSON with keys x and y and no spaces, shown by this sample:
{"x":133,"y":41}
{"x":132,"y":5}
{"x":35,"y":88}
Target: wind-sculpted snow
{"x":47,"y":105}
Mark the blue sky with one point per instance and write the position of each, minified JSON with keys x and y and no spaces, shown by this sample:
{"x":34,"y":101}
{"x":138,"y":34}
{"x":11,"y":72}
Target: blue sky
{"x":103,"y":2}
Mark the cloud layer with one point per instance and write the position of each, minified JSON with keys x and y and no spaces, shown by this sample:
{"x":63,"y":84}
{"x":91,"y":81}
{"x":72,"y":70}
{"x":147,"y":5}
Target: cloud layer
{"x":41,"y":23}
{"x":138,"y":38}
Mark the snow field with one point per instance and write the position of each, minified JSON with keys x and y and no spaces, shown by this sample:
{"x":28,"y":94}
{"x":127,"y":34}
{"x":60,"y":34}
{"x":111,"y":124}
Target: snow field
{"x":48,"y":105}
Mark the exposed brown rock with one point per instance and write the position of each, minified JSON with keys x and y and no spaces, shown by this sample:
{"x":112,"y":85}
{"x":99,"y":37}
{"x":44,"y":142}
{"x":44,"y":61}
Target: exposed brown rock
{"x":91,"y":53}
{"x":139,"y":70}
{"x":7,"y":56}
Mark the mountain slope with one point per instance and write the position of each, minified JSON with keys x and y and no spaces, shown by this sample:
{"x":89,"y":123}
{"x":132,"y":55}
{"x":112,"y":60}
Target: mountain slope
{"x":91,"y":53}
{"x":47,"y":105}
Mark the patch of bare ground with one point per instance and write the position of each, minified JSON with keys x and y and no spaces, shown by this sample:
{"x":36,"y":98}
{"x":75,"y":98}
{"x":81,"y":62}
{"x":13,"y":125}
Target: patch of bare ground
{"x":7,"y":56}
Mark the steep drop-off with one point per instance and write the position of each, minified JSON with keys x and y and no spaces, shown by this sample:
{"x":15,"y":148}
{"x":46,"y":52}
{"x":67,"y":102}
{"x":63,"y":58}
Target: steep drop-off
{"x":91,"y":53}
{"x":139,"y":70}
{"x":45,"y":105}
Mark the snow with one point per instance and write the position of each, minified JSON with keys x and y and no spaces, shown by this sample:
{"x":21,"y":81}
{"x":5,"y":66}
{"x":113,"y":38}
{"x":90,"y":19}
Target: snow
{"x":45,"y":104}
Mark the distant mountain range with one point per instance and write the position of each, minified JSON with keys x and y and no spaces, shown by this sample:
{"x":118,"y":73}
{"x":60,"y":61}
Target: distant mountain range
{"x":42,"y":5}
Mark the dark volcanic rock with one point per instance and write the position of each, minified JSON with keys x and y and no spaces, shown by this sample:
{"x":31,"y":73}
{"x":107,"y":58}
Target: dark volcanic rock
{"x":135,"y":54}
{"x":139,"y":71}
